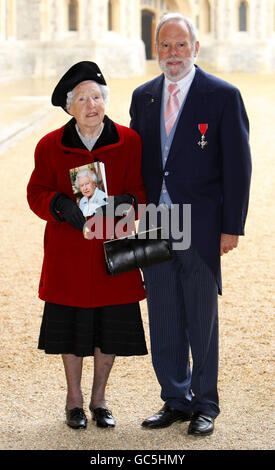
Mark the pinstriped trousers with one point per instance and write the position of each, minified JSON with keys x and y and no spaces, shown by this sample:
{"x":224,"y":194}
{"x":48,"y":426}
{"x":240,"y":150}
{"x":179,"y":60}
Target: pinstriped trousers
{"x":182,"y":298}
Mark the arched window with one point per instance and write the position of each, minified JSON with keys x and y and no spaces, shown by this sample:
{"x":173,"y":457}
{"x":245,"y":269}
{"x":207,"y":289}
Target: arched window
{"x":114,"y":10}
{"x":243,"y":16}
{"x":110,"y":16}
{"x":73,"y":15}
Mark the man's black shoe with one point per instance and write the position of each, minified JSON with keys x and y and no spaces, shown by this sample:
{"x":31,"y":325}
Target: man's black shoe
{"x":201,"y":424}
{"x":165,"y":417}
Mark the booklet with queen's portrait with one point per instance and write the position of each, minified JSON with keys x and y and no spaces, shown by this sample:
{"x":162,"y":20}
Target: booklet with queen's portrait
{"x":89,"y":187}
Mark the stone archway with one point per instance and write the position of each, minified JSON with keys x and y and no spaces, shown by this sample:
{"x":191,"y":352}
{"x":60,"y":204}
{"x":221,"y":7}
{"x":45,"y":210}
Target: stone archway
{"x":148,"y":25}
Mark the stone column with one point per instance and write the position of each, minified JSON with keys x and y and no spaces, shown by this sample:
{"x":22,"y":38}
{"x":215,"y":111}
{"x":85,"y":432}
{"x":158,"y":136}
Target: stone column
{"x":53,"y":20}
{"x":44,"y":20}
{"x":136,"y":19}
{"x":97,"y":14}
{"x":92,"y":18}
{"x":259,"y":19}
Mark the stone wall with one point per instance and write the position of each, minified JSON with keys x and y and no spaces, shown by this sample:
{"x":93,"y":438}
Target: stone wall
{"x":230,"y":50}
{"x":47,"y":59}
{"x":35,"y":41}
{"x":41,"y":45}
{"x":28,"y":20}
{"x":239,"y":58}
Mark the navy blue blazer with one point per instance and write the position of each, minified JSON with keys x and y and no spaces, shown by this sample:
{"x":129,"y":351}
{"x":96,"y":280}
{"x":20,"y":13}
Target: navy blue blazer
{"x":214,"y":180}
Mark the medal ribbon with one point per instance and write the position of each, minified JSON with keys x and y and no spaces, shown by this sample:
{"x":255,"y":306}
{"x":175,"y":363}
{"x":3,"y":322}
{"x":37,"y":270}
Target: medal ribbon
{"x":203,"y":128}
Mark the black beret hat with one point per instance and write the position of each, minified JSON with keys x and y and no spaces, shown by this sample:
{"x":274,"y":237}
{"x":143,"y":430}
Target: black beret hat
{"x":76,"y":74}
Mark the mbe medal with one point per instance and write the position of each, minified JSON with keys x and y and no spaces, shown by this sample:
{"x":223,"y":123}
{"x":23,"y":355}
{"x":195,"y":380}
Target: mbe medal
{"x":202,"y":128}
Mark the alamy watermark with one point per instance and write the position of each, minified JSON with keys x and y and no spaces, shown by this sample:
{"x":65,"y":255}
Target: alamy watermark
{"x":175,"y":222}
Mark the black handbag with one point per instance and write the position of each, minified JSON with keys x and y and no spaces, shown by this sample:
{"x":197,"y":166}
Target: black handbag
{"x":136,"y":251}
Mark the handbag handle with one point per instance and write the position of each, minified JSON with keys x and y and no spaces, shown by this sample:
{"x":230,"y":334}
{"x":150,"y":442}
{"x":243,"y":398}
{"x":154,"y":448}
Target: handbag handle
{"x":135,"y":207}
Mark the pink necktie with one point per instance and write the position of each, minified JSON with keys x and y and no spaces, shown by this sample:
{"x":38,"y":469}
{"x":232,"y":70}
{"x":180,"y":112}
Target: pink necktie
{"x":172,"y":107}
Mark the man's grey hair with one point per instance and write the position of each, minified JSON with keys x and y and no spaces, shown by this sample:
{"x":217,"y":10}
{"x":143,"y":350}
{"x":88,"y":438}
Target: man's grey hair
{"x":104,"y":90}
{"x":179,"y":17}
{"x":90,"y":174}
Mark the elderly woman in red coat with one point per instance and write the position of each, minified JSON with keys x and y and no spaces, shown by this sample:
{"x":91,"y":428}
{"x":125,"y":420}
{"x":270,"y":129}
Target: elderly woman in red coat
{"x":87,"y":312}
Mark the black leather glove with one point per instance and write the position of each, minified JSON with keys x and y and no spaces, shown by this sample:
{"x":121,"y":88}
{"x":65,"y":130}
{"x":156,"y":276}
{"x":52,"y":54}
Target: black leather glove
{"x":70,"y":211}
{"x":114,"y":201}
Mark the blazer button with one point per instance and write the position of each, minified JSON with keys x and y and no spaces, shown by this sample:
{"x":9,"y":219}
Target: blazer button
{"x":166,"y":173}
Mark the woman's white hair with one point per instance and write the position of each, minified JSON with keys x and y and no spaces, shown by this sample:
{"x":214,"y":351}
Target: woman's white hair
{"x":179,"y":17}
{"x":104,"y":90}
{"x":90,"y":174}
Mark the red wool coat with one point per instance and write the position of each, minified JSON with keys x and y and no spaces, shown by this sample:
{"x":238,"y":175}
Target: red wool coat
{"x":73,"y":271}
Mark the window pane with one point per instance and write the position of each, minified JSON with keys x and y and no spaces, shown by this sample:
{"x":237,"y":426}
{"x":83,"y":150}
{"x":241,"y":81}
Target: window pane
{"x":242,"y":17}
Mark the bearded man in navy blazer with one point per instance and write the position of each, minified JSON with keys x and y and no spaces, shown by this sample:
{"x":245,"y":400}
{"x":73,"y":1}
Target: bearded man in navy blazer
{"x":203,"y":159}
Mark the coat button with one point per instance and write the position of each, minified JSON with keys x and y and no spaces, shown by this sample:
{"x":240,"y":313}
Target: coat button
{"x":166,"y":173}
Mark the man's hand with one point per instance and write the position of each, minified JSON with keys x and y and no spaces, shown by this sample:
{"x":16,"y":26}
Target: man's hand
{"x":228,"y":242}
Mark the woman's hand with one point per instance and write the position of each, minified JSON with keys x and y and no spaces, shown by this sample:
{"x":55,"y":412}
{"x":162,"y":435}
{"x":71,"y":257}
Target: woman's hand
{"x":113,"y":202}
{"x":70,"y":211}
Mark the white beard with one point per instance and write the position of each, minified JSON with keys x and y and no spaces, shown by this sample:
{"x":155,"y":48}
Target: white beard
{"x":186,"y":65}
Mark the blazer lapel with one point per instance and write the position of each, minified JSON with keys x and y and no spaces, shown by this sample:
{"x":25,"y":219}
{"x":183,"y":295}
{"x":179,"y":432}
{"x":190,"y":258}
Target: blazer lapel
{"x":153,"y":115}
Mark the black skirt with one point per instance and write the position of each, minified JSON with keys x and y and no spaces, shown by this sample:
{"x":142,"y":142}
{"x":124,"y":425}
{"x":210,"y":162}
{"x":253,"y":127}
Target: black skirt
{"x":115,"y":329}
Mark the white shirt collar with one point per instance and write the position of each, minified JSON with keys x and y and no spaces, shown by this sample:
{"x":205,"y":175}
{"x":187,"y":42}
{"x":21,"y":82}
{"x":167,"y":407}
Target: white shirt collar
{"x":185,"y":81}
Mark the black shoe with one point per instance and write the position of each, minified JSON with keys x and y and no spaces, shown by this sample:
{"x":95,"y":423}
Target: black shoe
{"x":165,"y":417}
{"x":76,"y":418}
{"x":201,"y":424}
{"x":103,"y":417}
